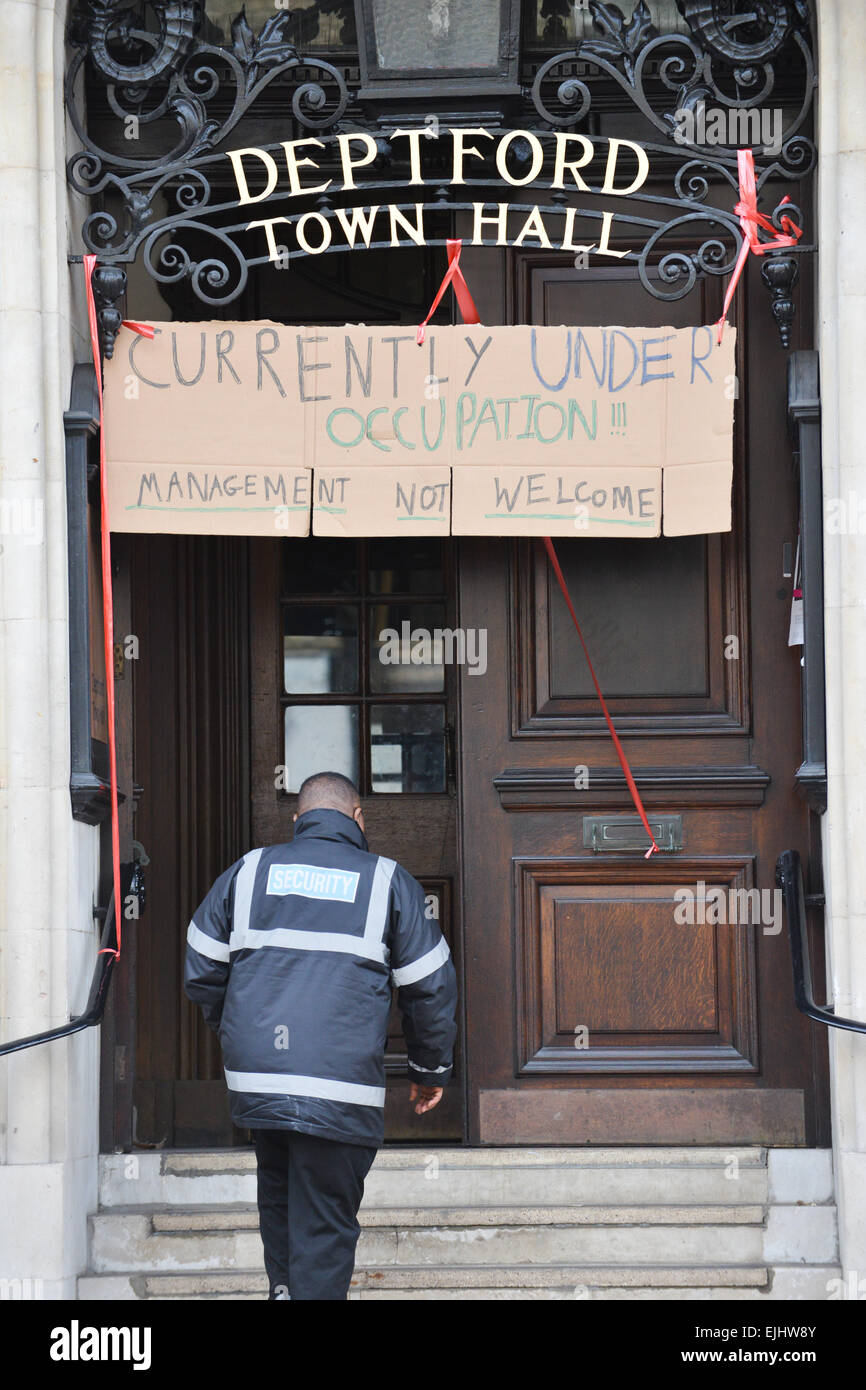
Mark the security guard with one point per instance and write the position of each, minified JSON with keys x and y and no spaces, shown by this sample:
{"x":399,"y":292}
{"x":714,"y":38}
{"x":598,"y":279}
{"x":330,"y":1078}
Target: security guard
{"x":291,"y":957}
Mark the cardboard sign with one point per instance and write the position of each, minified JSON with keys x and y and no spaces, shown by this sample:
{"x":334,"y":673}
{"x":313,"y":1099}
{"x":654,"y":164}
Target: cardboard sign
{"x":263,"y":429}
{"x":557,"y":502}
{"x":382,"y":501}
{"x":210,"y":499}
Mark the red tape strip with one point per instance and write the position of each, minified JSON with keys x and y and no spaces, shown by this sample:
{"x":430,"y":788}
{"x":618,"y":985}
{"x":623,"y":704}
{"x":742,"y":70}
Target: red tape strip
{"x":107,"y":608}
{"x":470,"y":315}
{"x":750,"y":220}
{"x":454,"y":275}
{"x":632,"y":786}
{"x":144,"y":329}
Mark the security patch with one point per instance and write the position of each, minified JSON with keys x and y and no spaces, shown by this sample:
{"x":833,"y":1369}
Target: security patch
{"x":309,"y":881}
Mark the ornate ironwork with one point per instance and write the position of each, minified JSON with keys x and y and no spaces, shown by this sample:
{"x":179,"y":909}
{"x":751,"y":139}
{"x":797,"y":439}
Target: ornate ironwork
{"x":109,"y":288}
{"x":184,"y":97}
{"x":780,"y":275}
{"x":662,"y":74}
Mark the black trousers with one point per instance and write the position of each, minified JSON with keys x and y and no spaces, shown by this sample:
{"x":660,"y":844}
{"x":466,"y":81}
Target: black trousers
{"x":309,"y":1192}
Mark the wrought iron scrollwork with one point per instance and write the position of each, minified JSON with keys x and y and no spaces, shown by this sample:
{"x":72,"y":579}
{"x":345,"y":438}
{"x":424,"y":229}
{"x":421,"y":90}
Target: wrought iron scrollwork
{"x":662,"y":74}
{"x":216,"y":280}
{"x":716,"y":24}
{"x":164,"y":79}
{"x":727,"y":61}
{"x":170,"y":76}
{"x":177,"y":74}
{"x":110,"y":24}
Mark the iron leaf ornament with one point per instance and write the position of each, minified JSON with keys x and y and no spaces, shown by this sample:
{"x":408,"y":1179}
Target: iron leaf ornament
{"x":269,"y":48}
{"x":624,"y":40}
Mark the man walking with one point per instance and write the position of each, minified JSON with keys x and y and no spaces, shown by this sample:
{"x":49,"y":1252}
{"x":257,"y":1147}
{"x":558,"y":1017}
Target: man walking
{"x":291,"y":957}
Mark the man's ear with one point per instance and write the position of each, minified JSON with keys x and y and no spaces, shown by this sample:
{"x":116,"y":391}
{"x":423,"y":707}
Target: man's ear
{"x":357,"y":813}
{"x":294,"y":817}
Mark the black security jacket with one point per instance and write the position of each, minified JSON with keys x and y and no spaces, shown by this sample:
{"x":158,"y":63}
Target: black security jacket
{"x":292,"y":956}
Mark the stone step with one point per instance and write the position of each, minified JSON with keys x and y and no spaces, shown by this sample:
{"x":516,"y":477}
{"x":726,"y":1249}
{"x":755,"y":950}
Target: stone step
{"x":537,"y":1282}
{"x":246,"y":1218}
{"x":453,"y":1176}
{"x":123,"y":1241}
{"x":448,"y":1222}
{"x":408,"y":1155}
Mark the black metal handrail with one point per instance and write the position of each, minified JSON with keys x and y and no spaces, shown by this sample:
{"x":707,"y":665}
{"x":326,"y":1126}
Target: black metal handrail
{"x":103,"y":970}
{"x":789,"y":877}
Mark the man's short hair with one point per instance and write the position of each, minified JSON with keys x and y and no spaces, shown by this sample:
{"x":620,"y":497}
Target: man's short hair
{"x":328,"y":791}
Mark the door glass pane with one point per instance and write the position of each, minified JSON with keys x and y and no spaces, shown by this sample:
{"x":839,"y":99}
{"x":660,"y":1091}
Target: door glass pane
{"x":406,"y":567}
{"x":407,"y":648}
{"x":407,"y":752}
{"x":320,"y":567}
{"x":642,"y":608}
{"x":320,"y":738}
{"x":320,"y":649}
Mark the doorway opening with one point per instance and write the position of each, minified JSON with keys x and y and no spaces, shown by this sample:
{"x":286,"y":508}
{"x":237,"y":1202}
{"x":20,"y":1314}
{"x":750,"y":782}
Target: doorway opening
{"x":270,"y":660}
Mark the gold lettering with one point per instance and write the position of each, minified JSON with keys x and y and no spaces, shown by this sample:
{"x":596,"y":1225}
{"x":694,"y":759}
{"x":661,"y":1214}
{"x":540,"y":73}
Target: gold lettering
{"x":567,"y":243}
{"x":293,"y":164}
{"x":560,"y":164}
{"x":459,"y":134}
{"x":414,"y":138}
{"x":610,"y":170}
{"x":244,"y":194}
{"x":268,"y":223}
{"x":349,"y":164}
{"x":500,"y":221}
{"x":534,"y":227}
{"x":603,"y":248}
{"x":537,"y":156}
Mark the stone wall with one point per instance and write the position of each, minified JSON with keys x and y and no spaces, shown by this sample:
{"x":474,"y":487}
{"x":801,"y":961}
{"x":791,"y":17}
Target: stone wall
{"x":841,"y":339}
{"x":48,"y":939}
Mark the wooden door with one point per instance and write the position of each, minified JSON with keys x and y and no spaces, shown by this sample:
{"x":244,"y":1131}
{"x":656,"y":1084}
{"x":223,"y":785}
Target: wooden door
{"x":327,"y":697}
{"x":191,"y":769}
{"x":593,"y":1015}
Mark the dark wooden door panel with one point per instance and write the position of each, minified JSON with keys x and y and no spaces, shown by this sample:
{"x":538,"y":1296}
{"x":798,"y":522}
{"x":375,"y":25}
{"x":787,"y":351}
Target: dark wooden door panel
{"x":610,"y":982}
{"x":624,"y":1024}
{"x":621,"y":585}
{"x":191,"y":760}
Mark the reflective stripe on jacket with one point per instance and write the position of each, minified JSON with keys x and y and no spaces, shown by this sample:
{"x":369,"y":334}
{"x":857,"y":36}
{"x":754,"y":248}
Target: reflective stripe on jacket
{"x":291,"y":957}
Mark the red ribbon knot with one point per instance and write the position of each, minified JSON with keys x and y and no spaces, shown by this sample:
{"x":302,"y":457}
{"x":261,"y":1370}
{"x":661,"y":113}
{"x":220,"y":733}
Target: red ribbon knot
{"x":750,"y":220}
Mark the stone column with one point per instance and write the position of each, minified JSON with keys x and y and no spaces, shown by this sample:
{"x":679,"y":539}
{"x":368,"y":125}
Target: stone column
{"x":48,"y":939}
{"x":841,"y":338}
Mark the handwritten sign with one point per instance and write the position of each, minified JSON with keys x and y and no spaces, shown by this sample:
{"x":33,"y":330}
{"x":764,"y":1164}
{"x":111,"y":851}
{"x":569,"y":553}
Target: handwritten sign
{"x":218,"y":499}
{"x":561,"y":501}
{"x":262,"y":429}
{"x":382,"y":501}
